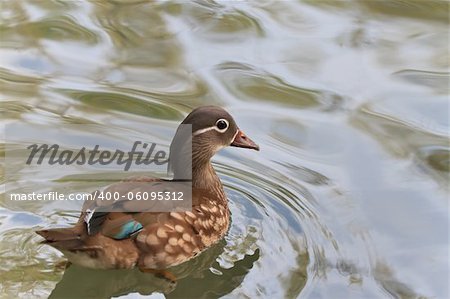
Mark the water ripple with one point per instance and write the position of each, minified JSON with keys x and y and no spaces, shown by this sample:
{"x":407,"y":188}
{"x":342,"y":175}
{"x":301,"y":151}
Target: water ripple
{"x":246,"y":82}
{"x":55,"y":28}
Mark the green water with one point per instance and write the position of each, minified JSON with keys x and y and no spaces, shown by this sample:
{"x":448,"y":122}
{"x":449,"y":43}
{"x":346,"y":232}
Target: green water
{"x":348,"y":100}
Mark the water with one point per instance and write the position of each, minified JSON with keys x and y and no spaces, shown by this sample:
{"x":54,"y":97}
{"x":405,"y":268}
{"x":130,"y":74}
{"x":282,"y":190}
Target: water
{"x":348,"y":100}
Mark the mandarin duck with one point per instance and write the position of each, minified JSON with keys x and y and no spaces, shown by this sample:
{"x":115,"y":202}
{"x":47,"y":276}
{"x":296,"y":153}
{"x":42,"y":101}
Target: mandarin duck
{"x":155,"y":241}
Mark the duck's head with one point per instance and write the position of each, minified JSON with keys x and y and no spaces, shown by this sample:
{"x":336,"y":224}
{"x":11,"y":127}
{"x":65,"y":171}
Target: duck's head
{"x":213,"y":128}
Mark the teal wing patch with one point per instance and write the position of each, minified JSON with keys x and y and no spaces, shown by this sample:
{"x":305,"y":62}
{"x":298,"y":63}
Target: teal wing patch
{"x":127,"y":229}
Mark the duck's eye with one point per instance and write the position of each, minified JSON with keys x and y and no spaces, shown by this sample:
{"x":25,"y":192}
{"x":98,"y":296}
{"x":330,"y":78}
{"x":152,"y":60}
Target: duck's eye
{"x":222,"y":125}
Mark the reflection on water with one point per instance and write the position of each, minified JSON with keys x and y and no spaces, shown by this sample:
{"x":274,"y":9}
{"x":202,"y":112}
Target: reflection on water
{"x":112,"y":283}
{"x":348,"y":100}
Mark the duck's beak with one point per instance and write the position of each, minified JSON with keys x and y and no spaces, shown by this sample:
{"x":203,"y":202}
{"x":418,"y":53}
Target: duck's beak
{"x":241,"y":140}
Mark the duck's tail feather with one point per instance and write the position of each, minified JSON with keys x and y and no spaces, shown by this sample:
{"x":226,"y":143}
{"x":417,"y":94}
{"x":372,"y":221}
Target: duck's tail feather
{"x":61,"y":238}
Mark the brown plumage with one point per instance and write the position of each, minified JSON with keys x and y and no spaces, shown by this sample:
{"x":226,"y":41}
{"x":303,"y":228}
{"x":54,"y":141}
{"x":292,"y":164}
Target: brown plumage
{"x":157,"y":241}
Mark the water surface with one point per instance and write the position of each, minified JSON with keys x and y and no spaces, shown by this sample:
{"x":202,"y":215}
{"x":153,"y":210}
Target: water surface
{"x":348,"y":100}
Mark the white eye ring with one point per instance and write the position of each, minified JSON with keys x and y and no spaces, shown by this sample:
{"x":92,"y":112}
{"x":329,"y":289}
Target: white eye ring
{"x":215,"y":127}
{"x":220,"y":123}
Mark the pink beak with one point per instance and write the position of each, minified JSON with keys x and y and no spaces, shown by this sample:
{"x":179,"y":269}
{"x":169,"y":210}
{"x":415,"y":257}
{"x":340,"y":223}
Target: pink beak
{"x":241,"y":140}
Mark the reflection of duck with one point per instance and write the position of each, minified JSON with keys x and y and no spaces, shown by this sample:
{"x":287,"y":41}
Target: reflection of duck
{"x":155,"y":241}
{"x":112,"y":283}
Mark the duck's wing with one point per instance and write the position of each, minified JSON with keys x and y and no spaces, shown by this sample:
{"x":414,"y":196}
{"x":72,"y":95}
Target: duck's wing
{"x":97,"y":222}
{"x":99,"y":216}
{"x":121,"y":217}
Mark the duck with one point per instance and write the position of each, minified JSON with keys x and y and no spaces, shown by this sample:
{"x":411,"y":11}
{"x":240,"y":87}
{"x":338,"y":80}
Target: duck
{"x":157,"y":241}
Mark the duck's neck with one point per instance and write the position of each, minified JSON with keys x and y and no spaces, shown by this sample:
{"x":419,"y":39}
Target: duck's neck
{"x":194,"y":162}
{"x":204,"y":177}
